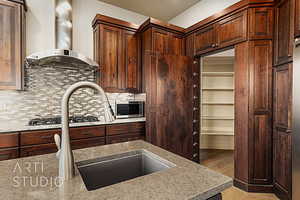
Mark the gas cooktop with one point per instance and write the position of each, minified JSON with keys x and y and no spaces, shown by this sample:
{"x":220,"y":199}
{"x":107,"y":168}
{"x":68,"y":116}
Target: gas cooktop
{"x":57,"y":120}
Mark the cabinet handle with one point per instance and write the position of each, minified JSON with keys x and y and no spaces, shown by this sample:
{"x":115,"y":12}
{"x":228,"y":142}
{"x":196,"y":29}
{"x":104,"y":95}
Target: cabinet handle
{"x":195,"y":144}
{"x":195,"y":133}
{"x":195,"y":62}
{"x":194,"y":109}
{"x":216,"y":45}
{"x":195,"y":155}
{"x":195,"y":121}
{"x":194,"y":86}
{"x":213,"y":45}
{"x":195,"y":97}
{"x":195,"y":74}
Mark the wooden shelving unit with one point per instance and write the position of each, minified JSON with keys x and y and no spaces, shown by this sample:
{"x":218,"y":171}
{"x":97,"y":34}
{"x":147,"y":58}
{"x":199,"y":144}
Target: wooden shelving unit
{"x":217,"y":101}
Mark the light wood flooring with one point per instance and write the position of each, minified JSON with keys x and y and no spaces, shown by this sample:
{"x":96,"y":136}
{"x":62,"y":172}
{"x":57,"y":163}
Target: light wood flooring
{"x":222,"y":161}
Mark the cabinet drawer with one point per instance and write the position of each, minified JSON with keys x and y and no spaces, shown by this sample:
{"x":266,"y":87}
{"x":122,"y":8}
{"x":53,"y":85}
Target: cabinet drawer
{"x":123,"y":138}
{"x":9,"y":140}
{"x":85,"y":143}
{"x":6,"y":154}
{"x":38,"y":137}
{"x":126,"y":128}
{"x":87,"y":132}
{"x":35,"y":150}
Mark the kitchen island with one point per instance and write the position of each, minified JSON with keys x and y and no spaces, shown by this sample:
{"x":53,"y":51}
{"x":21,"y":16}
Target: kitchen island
{"x":35,"y":178}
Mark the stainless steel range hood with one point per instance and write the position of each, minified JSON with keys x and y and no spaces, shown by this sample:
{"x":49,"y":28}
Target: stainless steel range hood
{"x":62,"y":56}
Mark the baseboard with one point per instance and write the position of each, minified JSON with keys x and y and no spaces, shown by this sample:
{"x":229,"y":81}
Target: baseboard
{"x":281,"y":193}
{"x":253,"y":187}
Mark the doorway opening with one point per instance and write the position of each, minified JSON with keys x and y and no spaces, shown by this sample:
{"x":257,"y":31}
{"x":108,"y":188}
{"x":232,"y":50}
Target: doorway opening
{"x":217,"y":112}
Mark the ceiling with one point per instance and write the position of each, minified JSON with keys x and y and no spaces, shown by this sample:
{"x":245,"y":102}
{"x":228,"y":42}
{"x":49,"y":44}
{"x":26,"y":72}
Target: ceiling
{"x":160,"y":9}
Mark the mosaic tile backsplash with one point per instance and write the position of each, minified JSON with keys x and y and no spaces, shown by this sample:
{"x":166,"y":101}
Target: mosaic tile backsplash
{"x":44,"y":88}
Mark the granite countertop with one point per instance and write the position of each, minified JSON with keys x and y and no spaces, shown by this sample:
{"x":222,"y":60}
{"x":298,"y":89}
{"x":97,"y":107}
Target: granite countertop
{"x":6,"y":127}
{"x":33,"y":178}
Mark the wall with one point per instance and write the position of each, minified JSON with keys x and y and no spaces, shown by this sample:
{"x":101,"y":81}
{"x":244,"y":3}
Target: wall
{"x":200,"y":11}
{"x":40,"y":23}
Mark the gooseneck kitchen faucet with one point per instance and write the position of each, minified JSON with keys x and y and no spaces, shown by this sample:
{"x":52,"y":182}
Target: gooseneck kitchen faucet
{"x":64,"y":154}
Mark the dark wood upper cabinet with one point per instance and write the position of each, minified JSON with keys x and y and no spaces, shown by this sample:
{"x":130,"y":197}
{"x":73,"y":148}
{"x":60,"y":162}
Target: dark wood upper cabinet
{"x":261,"y":23}
{"x":116,"y":49}
{"x":232,"y":30}
{"x":283,"y":38}
{"x":297,"y":18}
{"x":160,"y":41}
{"x":205,"y":39}
{"x":12,"y":45}
{"x":110,"y":58}
{"x":176,"y":44}
{"x":161,"y":38}
{"x":189,"y":45}
{"x":131,"y":67}
{"x":225,"y":32}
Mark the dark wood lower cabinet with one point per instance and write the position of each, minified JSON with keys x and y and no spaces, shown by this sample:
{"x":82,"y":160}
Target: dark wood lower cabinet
{"x":85,"y":143}
{"x":41,"y":149}
{"x":35,"y":150}
{"x":11,"y":153}
{"x":282,"y":164}
{"x":41,"y":142}
{"x":123,"y":138}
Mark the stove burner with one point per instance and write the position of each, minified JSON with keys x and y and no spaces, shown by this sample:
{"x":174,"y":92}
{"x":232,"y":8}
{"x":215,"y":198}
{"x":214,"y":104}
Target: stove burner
{"x":57,"y":120}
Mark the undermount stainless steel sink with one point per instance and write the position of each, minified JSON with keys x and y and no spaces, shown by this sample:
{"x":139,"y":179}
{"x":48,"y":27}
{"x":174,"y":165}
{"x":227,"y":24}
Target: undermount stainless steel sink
{"x":105,"y":171}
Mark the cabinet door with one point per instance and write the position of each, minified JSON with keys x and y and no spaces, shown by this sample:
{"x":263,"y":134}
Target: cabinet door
{"x":283,"y":41}
{"x":190,"y":46}
{"x":86,"y":143}
{"x":282,"y":143}
{"x":261,"y":23}
{"x":160,"y":41}
{"x":169,"y":107}
{"x":260,"y":141}
{"x":131,"y":79}
{"x":35,"y":150}
{"x":232,"y":30}
{"x":6,"y":154}
{"x":110,"y":58}
{"x":127,"y":128}
{"x":282,"y":164}
{"x":176,"y":44}
{"x":205,"y":40}
{"x":297,"y":18}
{"x":11,"y":45}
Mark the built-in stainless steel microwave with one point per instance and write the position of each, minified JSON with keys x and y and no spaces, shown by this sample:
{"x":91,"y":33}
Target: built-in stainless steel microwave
{"x":129,"y":109}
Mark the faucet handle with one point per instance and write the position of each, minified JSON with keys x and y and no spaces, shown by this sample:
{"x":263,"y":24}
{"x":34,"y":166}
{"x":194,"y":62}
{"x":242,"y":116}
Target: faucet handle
{"x":57,"y":142}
